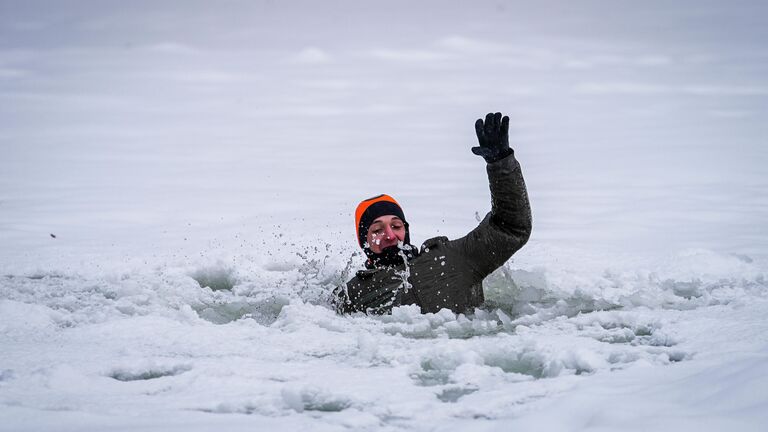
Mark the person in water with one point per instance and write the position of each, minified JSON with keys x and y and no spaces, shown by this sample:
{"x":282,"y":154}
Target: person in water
{"x":442,"y":273}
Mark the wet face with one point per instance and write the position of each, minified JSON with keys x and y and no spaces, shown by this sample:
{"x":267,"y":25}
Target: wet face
{"x":385,"y":231}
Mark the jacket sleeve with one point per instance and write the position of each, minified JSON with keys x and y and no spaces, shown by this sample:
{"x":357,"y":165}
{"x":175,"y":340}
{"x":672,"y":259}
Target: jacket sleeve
{"x":507,"y":227}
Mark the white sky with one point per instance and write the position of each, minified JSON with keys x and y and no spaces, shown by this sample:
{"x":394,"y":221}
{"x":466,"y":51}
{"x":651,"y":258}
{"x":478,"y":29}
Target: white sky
{"x":633,"y":120}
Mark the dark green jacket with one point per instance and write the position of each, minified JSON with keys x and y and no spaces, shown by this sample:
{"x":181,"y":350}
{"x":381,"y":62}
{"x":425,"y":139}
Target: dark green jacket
{"x":449,"y":273}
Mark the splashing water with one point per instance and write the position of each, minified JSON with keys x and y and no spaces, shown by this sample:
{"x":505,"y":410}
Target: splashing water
{"x":405,"y":274}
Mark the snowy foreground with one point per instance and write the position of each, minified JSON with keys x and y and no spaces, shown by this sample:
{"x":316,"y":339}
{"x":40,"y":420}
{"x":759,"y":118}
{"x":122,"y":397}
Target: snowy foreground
{"x":682,"y":347}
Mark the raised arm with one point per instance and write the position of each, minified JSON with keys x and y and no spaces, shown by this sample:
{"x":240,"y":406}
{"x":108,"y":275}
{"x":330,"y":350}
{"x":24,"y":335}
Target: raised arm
{"x":508,"y":226}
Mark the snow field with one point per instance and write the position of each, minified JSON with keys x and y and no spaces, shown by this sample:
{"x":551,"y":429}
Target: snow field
{"x":176,"y":188}
{"x":129,"y":346}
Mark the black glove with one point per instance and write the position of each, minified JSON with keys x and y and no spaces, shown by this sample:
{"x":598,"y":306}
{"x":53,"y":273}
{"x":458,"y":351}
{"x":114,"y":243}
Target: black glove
{"x":493,"y":136}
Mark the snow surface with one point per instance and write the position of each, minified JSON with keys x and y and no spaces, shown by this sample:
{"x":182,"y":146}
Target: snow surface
{"x":177,"y":184}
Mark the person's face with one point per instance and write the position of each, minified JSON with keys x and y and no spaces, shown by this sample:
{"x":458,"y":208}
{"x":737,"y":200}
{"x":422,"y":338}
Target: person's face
{"x":385,"y":231}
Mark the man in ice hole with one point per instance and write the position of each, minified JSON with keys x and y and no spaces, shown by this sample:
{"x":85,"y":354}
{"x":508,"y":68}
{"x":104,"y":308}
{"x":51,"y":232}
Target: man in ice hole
{"x":443,"y":273}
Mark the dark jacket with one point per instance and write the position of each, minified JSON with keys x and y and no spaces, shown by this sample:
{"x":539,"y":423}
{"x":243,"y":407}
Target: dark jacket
{"x":449,"y":273}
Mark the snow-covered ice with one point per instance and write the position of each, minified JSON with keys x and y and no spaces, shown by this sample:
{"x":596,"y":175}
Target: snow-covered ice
{"x":176,"y":193}
{"x":564,"y":350}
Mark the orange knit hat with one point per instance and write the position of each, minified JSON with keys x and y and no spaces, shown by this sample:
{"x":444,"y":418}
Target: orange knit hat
{"x":370,"y":209}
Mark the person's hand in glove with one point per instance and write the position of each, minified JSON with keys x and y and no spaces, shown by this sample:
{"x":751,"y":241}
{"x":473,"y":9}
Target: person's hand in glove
{"x":493,"y":135}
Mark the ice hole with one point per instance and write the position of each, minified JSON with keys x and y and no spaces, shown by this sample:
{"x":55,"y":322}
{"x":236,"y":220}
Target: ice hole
{"x":263,"y":311}
{"x":452,"y":395}
{"x":216,"y":278}
{"x":147,"y":374}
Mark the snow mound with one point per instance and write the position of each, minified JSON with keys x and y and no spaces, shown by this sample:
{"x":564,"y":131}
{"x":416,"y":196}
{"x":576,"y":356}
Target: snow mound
{"x":309,"y":398}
